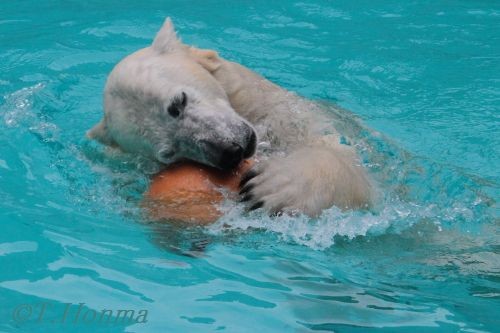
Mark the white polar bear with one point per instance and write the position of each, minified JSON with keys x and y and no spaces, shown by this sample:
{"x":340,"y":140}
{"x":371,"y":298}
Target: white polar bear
{"x":171,"y":102}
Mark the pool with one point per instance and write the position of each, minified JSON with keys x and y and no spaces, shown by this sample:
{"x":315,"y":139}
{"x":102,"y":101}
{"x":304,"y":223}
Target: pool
{"x":420,"y":86}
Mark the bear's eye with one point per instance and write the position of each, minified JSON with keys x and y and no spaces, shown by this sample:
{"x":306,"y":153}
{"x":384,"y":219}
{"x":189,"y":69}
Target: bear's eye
{"x":177,"y":106}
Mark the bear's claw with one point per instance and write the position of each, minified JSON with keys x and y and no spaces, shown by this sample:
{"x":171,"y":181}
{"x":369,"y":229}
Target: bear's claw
{"x":256,"y":205}
{"x":246,"y":197}
{"x":246,"y":188}
{"x":247,"y":177}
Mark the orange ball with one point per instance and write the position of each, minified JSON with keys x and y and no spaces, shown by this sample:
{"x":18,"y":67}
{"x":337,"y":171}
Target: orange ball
{"x":190,"y":192}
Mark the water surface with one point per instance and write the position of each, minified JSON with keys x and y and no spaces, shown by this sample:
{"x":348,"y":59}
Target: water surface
{"x":420,"y":85}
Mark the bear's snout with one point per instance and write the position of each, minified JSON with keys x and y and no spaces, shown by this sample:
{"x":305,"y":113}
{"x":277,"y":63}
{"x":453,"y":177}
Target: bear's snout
{"x":226,"y":154}
{"x":231,"y":156}
{"x":233,"y":153}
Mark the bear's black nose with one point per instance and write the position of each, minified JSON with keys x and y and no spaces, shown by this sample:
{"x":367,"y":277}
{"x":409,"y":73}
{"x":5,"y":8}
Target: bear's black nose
{"x":252,"y":144}
{"x":231,"y":156}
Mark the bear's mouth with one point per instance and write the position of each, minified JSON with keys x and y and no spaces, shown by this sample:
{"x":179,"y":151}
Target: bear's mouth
{"x":219,"y":153}
{"x":223,"y":156}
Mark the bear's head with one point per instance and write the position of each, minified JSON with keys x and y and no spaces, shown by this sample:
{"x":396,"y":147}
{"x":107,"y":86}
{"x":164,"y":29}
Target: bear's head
{"x":162,"y":102}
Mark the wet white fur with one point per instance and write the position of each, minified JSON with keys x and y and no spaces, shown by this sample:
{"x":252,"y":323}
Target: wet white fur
{"x":305,"y":168}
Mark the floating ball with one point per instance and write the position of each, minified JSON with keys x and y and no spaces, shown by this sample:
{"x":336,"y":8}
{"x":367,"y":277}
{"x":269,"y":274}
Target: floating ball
{"x":191,"y":192}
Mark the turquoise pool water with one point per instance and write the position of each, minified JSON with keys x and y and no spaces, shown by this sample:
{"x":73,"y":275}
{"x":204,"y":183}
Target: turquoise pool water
{"x":421,"y":85}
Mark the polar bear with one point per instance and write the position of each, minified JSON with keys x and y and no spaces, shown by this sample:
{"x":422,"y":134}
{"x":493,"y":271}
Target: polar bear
{"x":171,"y":101}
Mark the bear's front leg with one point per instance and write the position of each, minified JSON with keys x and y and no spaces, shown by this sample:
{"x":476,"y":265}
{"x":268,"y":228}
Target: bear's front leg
{"x":307,"y":181}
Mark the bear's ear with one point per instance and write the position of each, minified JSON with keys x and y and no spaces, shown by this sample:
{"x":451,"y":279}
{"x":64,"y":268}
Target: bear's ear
{"x":166,"y":40}
{"x":100,"y":133}
{"x":208,"y":59}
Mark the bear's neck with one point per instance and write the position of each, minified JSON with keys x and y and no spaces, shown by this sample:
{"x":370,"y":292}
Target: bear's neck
{"x":281,"y":117}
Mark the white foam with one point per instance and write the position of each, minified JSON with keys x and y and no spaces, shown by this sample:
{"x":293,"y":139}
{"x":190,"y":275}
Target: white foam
{"x":319,"y":233}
